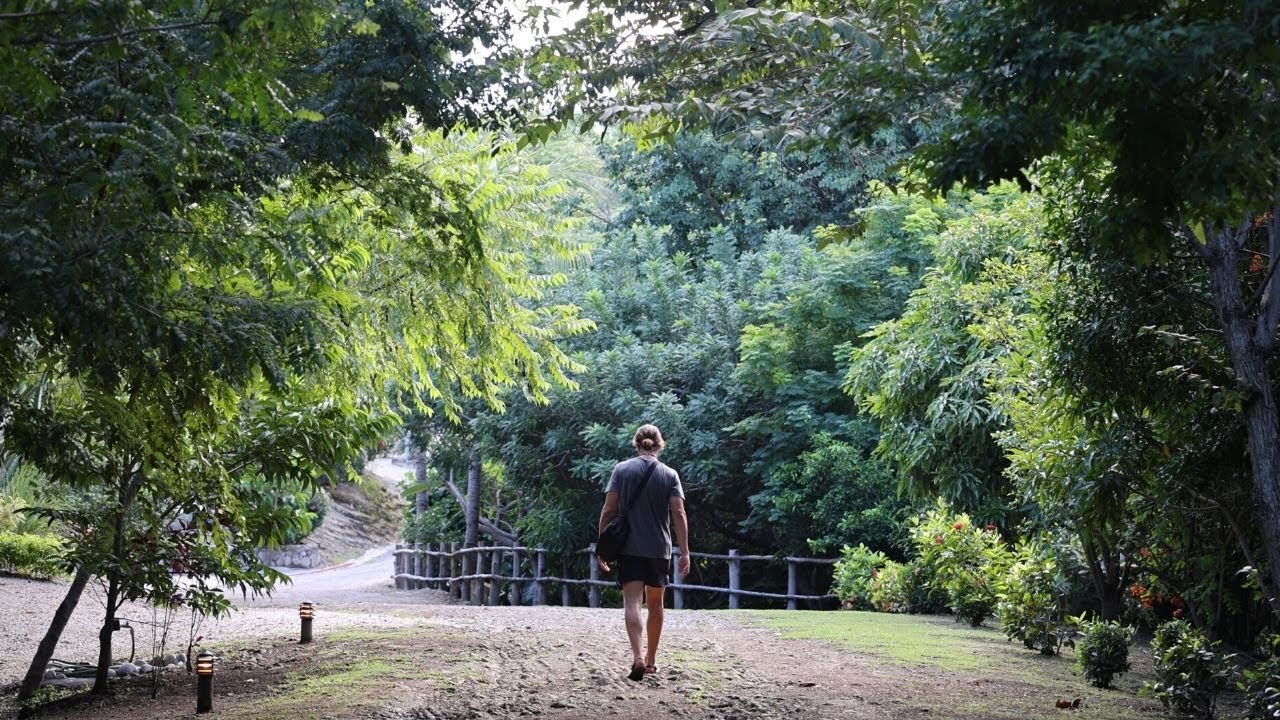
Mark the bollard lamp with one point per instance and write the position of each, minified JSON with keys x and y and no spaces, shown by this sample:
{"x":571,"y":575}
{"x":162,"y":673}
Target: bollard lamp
{"x":306,"y":611}
{"x":204,"y":681}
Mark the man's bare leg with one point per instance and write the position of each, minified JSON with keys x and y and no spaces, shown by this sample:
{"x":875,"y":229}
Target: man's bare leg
{"x":653,"y":598}
{"x":632,"y":595}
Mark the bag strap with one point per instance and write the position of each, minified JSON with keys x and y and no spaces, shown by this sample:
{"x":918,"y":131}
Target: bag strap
{"x":644,"y":480}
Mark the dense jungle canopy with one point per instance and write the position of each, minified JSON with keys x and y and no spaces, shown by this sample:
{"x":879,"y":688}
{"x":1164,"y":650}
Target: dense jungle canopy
{"x":855,"y":259}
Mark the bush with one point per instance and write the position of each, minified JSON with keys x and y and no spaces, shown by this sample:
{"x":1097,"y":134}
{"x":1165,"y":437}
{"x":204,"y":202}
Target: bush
{"x":919,"y":587}
{"x":1261,"y":683}
{"x":34,"y":555}
{"x":966,"y":561}
{"x":1030,"y":600}
{"x":1190,"y":672}
{"x":854,"y":575}
{"x":1103,"y":651}
{"x":889,"y":588}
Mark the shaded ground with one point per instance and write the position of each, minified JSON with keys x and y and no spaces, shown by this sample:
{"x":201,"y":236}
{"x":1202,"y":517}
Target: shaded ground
{"x":452,"y":662}
{"x":410,"y":655}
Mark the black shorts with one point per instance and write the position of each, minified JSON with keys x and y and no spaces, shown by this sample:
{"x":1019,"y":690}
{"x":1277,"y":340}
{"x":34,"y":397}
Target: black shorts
{"x":653,"y":571}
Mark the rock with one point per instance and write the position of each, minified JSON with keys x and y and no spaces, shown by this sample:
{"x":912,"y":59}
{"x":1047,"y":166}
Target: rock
{"x":71,"y":683}
{"x":126,"y":669}
{"x":111,"y":674}
{"x":50,"y":674}
{"x":144,"y":669}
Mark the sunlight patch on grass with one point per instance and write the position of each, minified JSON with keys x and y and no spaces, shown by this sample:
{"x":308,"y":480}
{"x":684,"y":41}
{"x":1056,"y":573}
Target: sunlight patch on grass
{"x":902,"y":639}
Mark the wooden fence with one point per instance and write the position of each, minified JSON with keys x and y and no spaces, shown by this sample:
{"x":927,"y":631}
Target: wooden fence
{"x":480,"y":575}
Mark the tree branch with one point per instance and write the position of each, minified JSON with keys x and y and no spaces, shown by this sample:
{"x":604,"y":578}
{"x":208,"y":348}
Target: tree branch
{"x":1269,"y":290}
{"x":453,"y":487}
{"x":28,"y":14}
{"x":496,"y":532}
{"x":1201,"y":249}
{"x":92,"y":39}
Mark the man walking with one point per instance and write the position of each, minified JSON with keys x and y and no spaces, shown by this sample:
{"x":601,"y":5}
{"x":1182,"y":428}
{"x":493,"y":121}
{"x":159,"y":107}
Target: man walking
{"x":655,"y":502}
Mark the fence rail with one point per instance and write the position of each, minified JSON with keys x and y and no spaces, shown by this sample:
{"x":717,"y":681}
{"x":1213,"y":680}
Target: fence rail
{"x":481,"y":575}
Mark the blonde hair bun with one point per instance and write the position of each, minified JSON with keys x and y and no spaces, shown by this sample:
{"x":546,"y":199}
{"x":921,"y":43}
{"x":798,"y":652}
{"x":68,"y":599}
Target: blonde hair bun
{"x":648,"y":438}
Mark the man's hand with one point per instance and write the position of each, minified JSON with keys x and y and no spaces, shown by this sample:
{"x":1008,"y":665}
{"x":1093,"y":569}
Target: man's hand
{"x":603,"y":565}
{"x":684,"y":564}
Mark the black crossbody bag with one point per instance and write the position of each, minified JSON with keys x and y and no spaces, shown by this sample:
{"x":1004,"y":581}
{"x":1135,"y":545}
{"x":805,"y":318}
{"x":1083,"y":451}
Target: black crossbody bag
{"x":614,"y":536}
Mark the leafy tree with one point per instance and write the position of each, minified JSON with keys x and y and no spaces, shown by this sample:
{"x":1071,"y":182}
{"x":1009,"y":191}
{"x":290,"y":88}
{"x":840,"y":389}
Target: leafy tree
{"x":924,"y":376}
{"x":202,"y":219}
{"x":1161,"y":112}
{"x":730,"y":338}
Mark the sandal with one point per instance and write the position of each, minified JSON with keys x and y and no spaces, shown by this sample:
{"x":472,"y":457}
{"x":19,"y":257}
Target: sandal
{"x":637,"y":672}
{"x":650,"y":669}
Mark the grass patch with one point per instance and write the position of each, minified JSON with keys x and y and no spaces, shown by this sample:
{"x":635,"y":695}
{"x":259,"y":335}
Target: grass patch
{"x":355,"y":671}
{"x":901,"y":639}
{"x":964,"y":657}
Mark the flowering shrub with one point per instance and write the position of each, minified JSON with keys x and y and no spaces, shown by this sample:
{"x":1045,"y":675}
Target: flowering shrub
{"x":967,"y":561}
{"x":855,"y":573}
{"x":1030,"y":600}
{"x":1190,"y":672}
{"x":1103,"y":651}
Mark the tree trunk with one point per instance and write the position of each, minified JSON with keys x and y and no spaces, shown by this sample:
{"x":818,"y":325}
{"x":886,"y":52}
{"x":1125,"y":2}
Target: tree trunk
{"x":421,"y":499}
{"x":472,"y":508}
{"x":106,"y":634}
{"x":131,"y":485}
{"x":44,"y":652}
{"x":1250,"y":334}
{"x":1107,"y":575}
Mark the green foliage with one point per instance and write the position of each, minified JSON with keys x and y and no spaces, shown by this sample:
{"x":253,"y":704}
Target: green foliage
{"x":924,"y":376}
{"x":22,"y":488}
{"x":967,"y":561}
{"x":39,"y":556}
{"x":713,"y":195}
{"x":1103,"y":650}
{"x":1032,"y":596}
{"x":855,"y":574}
{"x":830,"y":495}
{"x":906,"y":588}
{"x":1190,"y":671}
{"x":732,"y":347}
{"x":1261,"y":684}
{"x":771,"y":73}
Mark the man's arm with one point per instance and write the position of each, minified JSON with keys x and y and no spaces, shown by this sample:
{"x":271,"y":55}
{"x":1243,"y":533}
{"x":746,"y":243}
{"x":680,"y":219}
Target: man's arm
{"x":680,"y":521}
{"x":608,"y":511}
{"x":606,"y":514}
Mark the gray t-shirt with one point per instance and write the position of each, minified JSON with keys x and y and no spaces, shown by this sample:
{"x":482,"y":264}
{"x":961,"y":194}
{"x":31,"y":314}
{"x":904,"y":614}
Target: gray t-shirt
{"x":650,"y":515}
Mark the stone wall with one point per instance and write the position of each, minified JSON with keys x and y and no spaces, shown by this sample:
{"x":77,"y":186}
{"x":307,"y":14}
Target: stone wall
{"x":293,"y":556}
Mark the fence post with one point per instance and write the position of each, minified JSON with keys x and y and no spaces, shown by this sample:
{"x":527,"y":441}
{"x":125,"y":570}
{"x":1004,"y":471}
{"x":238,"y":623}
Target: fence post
{"x":495,"y":584}
{"x":593,"y":591}
{"x":476,"y":587}
{"x":539,"y":583}
{"x":563,"y":574}
{"x":677,"y":595}
{"x":735,"y":579}
{"x":429,"y":566}
{"x":455,"y":571}
{"x":416,"y":564}
{"x":428,"y":571}
{"x":396,"y":569}
{"x":438,"y":562}
{"x":791,"y":585}
{"x":516,"y":589}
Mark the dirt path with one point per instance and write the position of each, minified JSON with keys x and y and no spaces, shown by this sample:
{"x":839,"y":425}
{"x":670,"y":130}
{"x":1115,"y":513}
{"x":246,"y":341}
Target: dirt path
{"x":412,"y":655}
{"x":413,"y":658}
